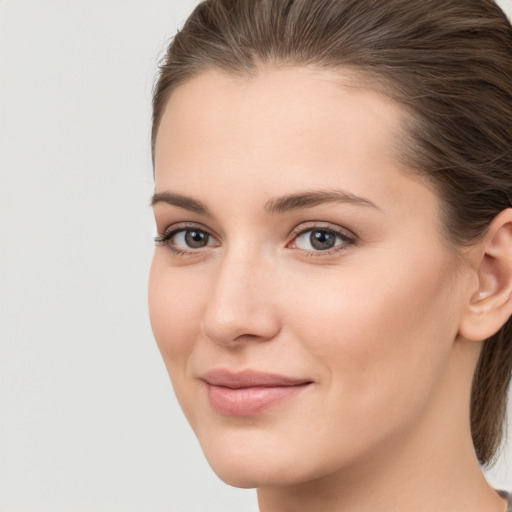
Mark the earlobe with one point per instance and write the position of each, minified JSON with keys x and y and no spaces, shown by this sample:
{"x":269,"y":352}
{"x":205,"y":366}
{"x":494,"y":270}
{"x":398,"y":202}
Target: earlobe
{"x":490,"y":304}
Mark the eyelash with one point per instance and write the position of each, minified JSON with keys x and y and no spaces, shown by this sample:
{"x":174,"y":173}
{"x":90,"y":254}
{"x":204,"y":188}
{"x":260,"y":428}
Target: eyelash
{"x":166,"y":238}
{"x":348,"y":239}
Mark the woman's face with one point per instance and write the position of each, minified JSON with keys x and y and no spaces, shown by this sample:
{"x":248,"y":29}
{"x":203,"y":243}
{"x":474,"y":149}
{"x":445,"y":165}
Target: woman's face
{"x":302,"y":295}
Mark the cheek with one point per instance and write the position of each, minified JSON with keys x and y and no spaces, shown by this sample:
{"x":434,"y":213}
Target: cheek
{"x":175,"y":311}
{"x":383,"y":336}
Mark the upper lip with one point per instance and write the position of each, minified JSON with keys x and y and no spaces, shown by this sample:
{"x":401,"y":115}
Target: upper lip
{"x":250,"y":378}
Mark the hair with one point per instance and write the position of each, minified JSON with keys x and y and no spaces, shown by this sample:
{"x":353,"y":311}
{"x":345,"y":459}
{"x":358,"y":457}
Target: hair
{"x":447,"y":62}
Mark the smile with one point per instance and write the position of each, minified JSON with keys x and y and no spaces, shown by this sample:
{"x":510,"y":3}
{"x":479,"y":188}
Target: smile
{"x":249,"y":393}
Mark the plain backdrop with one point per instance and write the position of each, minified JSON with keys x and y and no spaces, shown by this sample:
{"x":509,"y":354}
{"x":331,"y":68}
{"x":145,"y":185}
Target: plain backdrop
{"x":88,"y":421}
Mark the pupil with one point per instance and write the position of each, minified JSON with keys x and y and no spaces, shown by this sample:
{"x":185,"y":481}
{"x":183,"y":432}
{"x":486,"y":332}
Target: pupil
{"x":322,"y":240}
{"x":196,"y":239}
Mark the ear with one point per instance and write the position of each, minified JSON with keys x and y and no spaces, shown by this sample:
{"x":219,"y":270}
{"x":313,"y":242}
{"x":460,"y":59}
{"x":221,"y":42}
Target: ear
{"x":490,"y":305}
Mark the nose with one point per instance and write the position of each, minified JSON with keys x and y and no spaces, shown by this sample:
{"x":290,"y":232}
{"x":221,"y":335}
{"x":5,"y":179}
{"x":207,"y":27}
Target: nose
{"x":241,"y":304}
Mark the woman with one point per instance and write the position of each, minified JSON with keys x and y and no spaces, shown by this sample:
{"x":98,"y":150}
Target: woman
{"x":331,"y":289}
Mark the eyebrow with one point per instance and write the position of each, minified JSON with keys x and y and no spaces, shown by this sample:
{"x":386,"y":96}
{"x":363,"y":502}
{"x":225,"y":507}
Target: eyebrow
{"x":184,"y":202}
{"x":273,"y":206}
{"x":315,"y":198}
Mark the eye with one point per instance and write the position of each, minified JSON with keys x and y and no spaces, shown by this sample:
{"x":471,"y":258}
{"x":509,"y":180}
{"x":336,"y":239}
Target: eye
{"x":191,"y":239}
{"x":319,"y":239}
{"x":186,"y":239}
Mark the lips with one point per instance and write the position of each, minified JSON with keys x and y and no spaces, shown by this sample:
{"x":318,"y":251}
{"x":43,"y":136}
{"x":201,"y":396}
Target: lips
{"x":249,"y":393}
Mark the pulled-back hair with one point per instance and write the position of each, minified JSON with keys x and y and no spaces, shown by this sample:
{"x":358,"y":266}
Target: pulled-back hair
{"x":448,"y":62}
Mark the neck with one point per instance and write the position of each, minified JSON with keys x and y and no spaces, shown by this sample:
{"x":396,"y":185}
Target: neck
{"x":430,"y":467}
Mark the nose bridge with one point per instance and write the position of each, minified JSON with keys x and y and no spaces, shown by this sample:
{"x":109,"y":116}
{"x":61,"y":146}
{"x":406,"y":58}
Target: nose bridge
{"x":240,"y":302}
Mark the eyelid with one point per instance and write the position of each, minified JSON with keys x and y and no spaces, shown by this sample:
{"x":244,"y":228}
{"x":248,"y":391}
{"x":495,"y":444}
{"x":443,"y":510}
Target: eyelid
{"x":182,"y":226}
{"x":319,"y":225}
{"x":165,"y":238}
{"x":348,"y":236}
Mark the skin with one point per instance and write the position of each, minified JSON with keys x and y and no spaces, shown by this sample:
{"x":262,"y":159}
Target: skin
{"x":374,"y":323}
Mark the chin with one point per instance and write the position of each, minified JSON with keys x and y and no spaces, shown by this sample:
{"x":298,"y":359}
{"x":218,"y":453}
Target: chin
{"x":237,"y":477}
{"x":253,"y":459}
{"x":249,"y":474}
{"x":243,"y":462}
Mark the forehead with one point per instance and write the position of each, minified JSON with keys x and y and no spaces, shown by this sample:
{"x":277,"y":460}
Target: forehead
{"x":289,"y":128}
{"x":277,"y":109}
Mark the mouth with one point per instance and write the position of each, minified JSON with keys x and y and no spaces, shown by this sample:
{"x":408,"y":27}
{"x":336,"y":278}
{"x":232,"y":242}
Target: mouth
{"x":249,"y":393}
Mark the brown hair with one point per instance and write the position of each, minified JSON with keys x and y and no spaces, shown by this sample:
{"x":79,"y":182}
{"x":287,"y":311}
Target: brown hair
{"x":449,"y":62}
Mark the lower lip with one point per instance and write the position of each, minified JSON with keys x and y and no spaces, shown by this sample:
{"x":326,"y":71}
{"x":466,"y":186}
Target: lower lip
{"x":250,"y":401}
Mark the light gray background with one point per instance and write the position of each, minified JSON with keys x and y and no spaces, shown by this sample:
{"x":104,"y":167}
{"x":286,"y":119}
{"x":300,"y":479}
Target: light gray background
{"x":88,"y":421}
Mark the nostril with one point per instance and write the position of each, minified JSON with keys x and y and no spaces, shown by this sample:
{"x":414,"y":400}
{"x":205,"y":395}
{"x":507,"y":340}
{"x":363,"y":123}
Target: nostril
{"x":242,"y":328}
